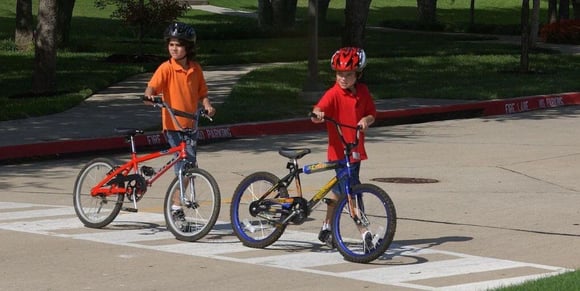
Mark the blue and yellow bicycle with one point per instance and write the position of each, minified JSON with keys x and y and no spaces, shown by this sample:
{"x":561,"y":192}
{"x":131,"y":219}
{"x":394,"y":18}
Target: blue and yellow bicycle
{"x":261,"y":207}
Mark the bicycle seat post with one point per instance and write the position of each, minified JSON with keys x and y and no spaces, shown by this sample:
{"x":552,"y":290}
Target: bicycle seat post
{"x":132,"y":141}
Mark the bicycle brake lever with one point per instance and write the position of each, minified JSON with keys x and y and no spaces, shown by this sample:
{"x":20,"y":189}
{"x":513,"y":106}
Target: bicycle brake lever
{"x":204,"y":113}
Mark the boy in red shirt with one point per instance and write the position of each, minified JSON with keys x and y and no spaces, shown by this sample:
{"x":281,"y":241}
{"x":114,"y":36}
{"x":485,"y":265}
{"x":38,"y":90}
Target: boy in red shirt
{"x":348,"y":102}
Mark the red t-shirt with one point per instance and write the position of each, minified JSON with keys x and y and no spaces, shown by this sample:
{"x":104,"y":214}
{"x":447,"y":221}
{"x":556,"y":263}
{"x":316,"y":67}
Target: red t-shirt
{"x":181,"y":89}
{"x":347,"y":108}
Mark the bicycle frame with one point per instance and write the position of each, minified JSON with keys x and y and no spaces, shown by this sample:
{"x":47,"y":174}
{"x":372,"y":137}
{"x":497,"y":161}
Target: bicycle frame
{"x":133,"y":166}
{"x":114,"y":182}
{"x":345,"y":173}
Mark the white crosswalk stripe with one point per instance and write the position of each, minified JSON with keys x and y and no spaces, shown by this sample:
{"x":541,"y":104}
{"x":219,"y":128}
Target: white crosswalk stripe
{"x":295,"y":250}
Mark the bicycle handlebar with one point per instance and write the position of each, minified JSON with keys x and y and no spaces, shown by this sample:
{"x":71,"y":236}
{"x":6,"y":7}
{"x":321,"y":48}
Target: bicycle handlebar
{"x":158,"y":102}
{"x":338,"y":125}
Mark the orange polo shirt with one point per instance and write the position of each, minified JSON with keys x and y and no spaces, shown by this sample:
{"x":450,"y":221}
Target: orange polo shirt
{"x":181,"y":89}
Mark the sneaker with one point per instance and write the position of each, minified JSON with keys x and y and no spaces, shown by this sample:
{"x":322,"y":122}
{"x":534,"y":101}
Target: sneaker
{"x":368,"y":244}
{"x":325,"y":236}
{"x":179,"y":218}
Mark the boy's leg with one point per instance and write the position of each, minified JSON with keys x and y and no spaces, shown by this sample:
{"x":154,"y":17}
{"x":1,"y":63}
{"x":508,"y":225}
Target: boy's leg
{"x":174,"y":139}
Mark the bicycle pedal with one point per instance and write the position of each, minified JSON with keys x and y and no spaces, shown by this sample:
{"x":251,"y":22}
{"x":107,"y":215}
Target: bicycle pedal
{"x":129,"y":209}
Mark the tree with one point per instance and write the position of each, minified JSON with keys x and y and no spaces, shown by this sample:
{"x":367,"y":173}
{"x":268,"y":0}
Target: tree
{"x":564,"y":9}
{"x":44,"y":74}
{"x":279,"y":14}
{"x":356,"y":13}
{"x":64,"y":18}
{"x":24,"y":22}
{"x":525,"y":51}
{"x":427,"y":12}
{"x":323,"y":9}
{"x":471,"y":13}
{"x":552,"y":11}
{"x":576,"y":8}
{"x":535,"y":23}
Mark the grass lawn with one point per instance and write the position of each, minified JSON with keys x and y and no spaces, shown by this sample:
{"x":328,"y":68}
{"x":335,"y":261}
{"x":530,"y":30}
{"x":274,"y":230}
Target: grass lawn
{"x":401,"y":64}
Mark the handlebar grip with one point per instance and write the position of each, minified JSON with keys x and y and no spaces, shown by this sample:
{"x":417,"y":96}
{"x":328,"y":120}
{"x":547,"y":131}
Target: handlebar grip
{"x":156,"y":99}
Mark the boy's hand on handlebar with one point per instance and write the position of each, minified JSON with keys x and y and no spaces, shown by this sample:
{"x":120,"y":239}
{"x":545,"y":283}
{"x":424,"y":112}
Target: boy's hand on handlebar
{"x":209,"y":110}
{"x":363,"y":124}
{"x":317,"y":116}
{"x":366,"y":122}
{"x":151,"y":100}
{"x":148,"y":100}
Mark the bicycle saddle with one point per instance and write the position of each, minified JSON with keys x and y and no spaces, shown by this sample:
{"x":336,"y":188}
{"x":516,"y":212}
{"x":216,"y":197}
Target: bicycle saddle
{"x":128,"y":131}
{"x":293,"y":153}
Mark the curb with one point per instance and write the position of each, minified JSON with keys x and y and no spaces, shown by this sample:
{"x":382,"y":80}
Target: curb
{"x":291,"y":126}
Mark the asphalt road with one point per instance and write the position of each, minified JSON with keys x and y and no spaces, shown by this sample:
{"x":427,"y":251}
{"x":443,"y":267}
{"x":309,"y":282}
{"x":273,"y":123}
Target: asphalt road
{"x":503,"y":208}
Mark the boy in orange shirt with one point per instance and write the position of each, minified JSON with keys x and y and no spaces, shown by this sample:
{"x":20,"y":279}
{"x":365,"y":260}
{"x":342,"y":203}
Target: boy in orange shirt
{"x":181,"y":82}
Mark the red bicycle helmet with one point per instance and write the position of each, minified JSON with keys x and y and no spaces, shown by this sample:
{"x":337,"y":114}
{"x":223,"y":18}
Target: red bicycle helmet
{"x":349,"y":59}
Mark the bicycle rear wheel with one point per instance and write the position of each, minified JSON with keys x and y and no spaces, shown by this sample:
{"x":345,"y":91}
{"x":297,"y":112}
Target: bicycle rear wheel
{"x":95,"y":211}
{"x":256,"y":231}
{"x":200,"y":206}
{"x":377,"y":216}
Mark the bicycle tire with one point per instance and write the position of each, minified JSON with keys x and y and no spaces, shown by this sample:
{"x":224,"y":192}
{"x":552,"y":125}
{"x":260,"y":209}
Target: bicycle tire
{"x":379,"y":210}
{"x":200,"y":210}
{"x":95,"y":212}
{"x":253,"y":231}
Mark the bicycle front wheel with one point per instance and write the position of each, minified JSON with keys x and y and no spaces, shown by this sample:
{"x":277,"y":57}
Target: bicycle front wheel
{"x":367,"y":236}
{"x":199,"y":205}
{"x":255,"y":230}
{"x":95,"y":211}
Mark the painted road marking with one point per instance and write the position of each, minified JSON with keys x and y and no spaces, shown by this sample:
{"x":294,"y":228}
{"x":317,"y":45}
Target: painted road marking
{"x":298,"y":251}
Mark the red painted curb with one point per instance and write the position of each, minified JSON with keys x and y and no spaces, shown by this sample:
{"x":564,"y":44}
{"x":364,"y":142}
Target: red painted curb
{"x":487,"y":108}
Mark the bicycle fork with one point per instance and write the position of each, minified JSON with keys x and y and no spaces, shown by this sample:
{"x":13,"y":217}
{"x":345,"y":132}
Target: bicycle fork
{"x":183,"y":183}
{"x":356,"y":210}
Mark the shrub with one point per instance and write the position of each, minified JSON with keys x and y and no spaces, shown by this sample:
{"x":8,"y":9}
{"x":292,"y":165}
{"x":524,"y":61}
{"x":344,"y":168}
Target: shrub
{"x":145,"y":15}
{"x":564,"y":31}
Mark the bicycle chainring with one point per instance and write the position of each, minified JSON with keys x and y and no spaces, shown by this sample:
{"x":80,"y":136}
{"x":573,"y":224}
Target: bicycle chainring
{"x":136,"y":187}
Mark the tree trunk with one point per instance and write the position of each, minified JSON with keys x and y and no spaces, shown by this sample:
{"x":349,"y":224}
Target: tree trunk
{"x":283,"y":13}
{"x":44,"y":75}
{"x":323,"y":9}
{"x":534,"y":23}
{"x":23,"y":33}
{"x":564,"y":10}
{"x":356,"y":13}
{"x":427,"y":12}
{"x":524,"y":57}
{"x":64,"y":18}
{"x":472,"y":13}
{"x":552,"y":11}
{"x":576,"y":9}
{"x":265,"y":13}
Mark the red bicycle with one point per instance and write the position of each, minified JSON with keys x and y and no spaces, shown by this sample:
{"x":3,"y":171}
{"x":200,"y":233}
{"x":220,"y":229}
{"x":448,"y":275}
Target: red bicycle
{"x":103,"y":184}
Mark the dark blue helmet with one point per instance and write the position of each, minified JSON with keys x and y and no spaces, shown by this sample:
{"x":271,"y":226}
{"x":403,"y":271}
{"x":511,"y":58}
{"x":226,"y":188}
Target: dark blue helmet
{"x":180,"y":31}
